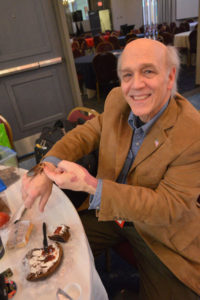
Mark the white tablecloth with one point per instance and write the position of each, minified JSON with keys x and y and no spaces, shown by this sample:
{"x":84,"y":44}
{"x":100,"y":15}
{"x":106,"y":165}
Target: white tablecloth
{"x":77,"y":265}
{"x":181,"y":40}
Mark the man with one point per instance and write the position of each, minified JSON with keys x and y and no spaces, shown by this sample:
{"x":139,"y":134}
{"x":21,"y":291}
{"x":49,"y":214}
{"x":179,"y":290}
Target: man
{"x":148,"y":173}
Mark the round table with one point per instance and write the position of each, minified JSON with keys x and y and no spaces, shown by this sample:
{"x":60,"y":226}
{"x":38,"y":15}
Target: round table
{"x":77,"y":265}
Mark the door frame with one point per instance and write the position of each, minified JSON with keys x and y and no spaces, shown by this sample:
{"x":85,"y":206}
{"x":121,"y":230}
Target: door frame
{"x":198,"y":50}
{"x":67,"y":50}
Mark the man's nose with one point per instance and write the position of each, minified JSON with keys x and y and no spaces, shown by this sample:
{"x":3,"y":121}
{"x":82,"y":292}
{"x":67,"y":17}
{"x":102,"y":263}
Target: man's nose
{"x":137,"y":81}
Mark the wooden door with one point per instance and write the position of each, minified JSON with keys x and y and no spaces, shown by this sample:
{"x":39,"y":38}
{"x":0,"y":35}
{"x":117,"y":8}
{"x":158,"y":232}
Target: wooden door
{"x":36,"y":85}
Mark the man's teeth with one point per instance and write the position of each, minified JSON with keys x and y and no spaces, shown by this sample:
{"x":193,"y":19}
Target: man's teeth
{"x":139,"y":97}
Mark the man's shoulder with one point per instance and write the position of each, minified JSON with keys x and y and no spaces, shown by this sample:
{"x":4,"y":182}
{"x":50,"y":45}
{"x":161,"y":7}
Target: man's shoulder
{"x":187,"y":112}
{"x":186,"y":129}
{"x":115,"y":93}
{"x":115,"y":100}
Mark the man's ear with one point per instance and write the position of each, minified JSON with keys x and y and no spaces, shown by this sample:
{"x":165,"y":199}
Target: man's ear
{"x":171,"y":78}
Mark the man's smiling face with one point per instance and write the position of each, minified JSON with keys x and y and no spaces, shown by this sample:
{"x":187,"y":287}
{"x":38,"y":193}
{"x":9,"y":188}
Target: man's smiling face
{"x":146,"y":80}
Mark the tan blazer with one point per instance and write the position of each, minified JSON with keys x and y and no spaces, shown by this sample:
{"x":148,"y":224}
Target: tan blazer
{"x":163,"y":184}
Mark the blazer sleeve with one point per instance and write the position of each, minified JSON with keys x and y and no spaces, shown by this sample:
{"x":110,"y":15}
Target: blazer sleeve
{"x":79,"y":141}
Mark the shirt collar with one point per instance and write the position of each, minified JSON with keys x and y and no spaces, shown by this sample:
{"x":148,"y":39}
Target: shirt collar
{"x":145,"y":128}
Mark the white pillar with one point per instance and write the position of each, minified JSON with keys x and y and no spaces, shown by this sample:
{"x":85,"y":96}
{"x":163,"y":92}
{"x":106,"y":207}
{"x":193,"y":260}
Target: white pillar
{"x":150,"y":18}
{"x":197,"y":81}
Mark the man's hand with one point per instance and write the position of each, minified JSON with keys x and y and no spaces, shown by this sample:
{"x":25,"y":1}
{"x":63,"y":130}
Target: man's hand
{"x":72,"y":176}
{"x":37,"y":186}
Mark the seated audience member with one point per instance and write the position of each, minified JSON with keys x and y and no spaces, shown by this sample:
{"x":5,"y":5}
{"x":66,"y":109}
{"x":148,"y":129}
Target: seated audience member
{"x":130,"y":37}
{"x":164,"y":28}
{"x":172,"y":27}
{"x":141,"y":29}
{"x":115,"y":33}
{"x":148,"y":173}
{"x":184,"y":26}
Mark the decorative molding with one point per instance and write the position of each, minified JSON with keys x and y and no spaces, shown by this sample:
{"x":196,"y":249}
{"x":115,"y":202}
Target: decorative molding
{"x":43,"y":43}
{"x":29,"y":107}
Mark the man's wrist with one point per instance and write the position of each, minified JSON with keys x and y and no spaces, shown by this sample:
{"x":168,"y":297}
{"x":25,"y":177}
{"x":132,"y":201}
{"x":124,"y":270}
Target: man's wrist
{"x":37,"y":169}
{"x":52,"y":159}
{"x":95,"y":200}
{"x":91,"y":185}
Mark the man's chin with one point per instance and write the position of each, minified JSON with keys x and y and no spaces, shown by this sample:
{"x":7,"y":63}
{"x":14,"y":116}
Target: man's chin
{"x":144,"y":116}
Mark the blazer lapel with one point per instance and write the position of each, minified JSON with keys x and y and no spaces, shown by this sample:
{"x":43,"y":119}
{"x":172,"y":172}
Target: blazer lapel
{"x":151,"y":143}
{"x":157,"y":134}
{"x":124,"y":137}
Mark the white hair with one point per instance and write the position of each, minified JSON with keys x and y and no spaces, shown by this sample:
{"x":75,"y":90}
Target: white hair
{"x":173,"y":61}
{"x":119,"y":66}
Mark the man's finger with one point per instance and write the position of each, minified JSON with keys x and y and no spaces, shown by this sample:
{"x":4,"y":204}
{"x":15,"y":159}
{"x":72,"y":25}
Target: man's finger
{"x":43,"y":201}
{"x":24,"y":194}
{"x":51,"y":174}
{"x":28,"y":202}
{"x":66,"y":165}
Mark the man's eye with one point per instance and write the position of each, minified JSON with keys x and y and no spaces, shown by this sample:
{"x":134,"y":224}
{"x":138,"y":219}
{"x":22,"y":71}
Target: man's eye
{"x":148,"y":71}
{"x":126,"y":76}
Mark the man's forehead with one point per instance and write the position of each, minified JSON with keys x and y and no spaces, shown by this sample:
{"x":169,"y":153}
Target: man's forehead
{"x":145,"y":43}
{"x":143,"y":46}
{"x":149,"y":51}
{"x":126,"y":67}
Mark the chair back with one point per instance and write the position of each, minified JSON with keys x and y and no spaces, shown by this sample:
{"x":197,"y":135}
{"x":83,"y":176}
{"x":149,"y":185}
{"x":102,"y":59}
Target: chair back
{"x":81,"y":112}
{"x":114,"y":41}
{"x":97,"y":40}
{"x":168,"y":38}
{"x":80,"y":40}
{"x":75,"y":45}
{"x":104,"y":47}
{"x":105,"y":66}
{"x":77,"y":53}
{"x":193,"y":41}
{"x":8,"y":130}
